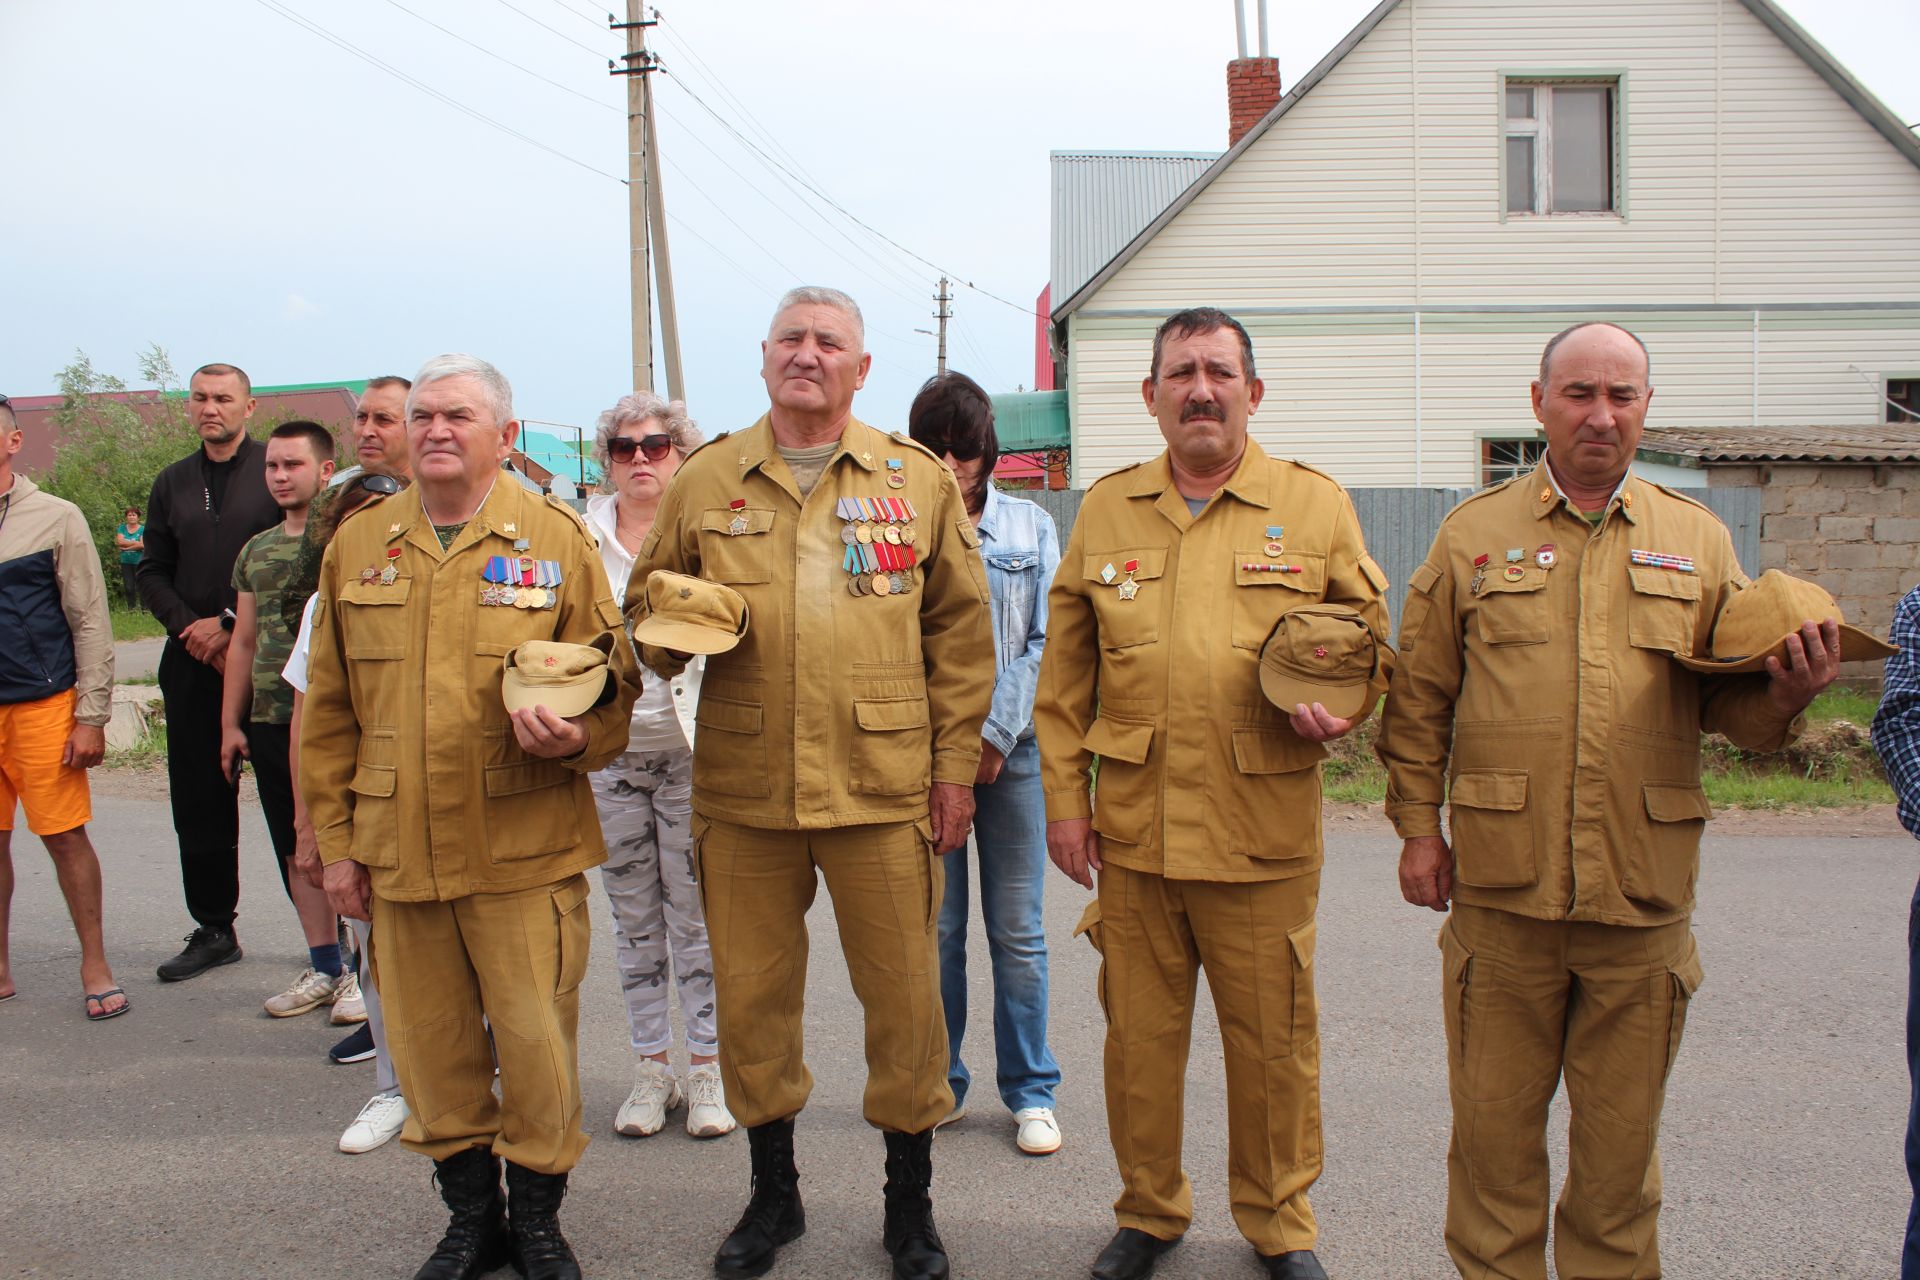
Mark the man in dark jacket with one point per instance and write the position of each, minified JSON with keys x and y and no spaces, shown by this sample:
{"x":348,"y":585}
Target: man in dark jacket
{"x":203,"y":509}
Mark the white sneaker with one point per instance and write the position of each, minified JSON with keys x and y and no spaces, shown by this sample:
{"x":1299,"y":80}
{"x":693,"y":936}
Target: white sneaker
{"x":954,"y":1116}
{"x":349,"y":1005}
{"x":376,"y":1124}
{"x":707,"y":1114}
{"x":1039,"y":1131}
{"x":655,"y":1092}
{"x":309,"y":991}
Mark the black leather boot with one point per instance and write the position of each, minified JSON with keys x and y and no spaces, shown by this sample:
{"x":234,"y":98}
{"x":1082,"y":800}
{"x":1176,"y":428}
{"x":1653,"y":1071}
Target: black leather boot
{"x":540,"y":1252}
{"x":909,"y":1233}
{"x":773,"y":1216}
{"x":476,"y":1239}
{"x":1130,"y":1255}
{"x":1300,"y":1264}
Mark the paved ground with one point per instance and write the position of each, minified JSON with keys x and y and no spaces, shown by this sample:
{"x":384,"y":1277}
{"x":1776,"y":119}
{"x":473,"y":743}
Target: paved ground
{"x":138,"y":659}
{"x":195,"y":1136}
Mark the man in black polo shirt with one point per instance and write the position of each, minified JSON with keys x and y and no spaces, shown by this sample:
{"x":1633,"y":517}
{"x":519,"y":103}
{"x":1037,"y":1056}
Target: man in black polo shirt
{"x":203,"y":509}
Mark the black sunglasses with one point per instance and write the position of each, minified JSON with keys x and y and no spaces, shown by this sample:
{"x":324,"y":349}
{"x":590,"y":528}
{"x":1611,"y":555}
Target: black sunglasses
{"x":652,"y":448}
{"x":962,"y":450}
{"x":375,"y":482}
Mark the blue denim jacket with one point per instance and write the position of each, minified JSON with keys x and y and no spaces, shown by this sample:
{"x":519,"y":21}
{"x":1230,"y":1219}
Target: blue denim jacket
{"x":1022,"y":549}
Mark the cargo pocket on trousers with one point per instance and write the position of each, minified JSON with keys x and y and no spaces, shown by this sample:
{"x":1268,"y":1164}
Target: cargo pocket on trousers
{"x":573,"y":934}
{"x":1306,"y":1014}
{"x":1456,"y":984}
{"x":1090,"y":925}
{"x":1684,"y":978}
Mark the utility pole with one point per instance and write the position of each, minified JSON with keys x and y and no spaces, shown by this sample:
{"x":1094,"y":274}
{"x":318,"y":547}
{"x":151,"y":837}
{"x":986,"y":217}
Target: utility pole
{"x":663,"y":264}
{"x":639,"y":125}
{"x":943,"y":315}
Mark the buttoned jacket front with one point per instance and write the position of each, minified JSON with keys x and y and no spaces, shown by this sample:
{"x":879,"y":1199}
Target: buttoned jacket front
{"x":835,"y":709}
{"x":1200,"y":777}
{"x":1543,"y":705}
{"x":408,"y":760}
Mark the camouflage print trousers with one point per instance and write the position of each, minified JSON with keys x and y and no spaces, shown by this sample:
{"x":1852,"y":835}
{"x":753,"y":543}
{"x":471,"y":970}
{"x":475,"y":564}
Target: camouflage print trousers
{"x":645,"y":800}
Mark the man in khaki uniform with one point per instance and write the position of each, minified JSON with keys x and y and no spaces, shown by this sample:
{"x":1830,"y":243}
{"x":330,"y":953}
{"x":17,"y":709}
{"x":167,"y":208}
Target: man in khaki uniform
{"x":840,"y":738}
{"x":460,"y":830}
{"x":1205,"y":825}
{"x":1536,"y":694}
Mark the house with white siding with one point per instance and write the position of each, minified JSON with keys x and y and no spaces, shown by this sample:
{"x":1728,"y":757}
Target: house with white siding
{"x":1459,"y":179}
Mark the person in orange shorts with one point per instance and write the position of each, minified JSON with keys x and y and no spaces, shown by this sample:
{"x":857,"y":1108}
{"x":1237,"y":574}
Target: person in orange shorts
{"x":56,"y":688}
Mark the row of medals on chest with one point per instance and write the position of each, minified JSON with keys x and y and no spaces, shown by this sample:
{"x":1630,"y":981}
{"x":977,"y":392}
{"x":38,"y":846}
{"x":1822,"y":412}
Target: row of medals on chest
{"x":881,"y":544}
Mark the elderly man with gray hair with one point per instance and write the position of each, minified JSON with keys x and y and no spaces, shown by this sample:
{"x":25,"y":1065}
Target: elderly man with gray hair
{"x":463,"y":828}
{"x":839,"y":738}
{"x":645,"y":800}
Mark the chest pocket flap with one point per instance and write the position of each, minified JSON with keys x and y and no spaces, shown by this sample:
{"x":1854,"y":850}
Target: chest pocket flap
{"x":374,"y":633}
{"x":1015,"y":561}
{"x":1664,"y":582}
{"x":720,"y":520}
{"x":1152,"y":563}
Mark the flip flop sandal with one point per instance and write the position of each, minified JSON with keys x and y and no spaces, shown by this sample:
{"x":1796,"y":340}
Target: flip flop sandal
{"x":11,"y":994}
{"x":101,"y":998}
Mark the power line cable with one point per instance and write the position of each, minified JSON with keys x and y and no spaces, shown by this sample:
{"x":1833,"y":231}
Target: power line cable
{"x":348,"y":46}
{"x":593,"y":22}
{"x":598,"y":53}
{"x":564,"y":88}
{"x":728,"y":125}
{"x":673,"y":35}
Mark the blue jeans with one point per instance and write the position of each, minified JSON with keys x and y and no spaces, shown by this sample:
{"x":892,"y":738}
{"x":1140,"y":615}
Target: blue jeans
{"x":1010,"y":830}
{"x":1910,"y":1253}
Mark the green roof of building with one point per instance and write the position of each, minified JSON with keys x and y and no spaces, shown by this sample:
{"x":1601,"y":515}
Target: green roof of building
{"x":1027,"y":421}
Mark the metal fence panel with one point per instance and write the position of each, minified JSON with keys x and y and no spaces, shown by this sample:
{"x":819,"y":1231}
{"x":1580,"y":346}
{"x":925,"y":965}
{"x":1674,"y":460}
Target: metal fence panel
{"x":1738,"y":509}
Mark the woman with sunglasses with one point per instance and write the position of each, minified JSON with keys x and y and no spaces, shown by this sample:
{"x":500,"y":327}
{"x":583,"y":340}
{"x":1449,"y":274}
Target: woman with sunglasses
{"x":645,"y":801}
{"x":953,"y":417}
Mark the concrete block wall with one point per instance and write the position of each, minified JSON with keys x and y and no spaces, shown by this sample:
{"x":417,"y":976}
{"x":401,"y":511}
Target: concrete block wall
{"x":1855,"y":530}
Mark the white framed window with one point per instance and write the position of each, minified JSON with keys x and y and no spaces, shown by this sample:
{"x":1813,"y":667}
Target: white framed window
{"x":1504,"y":457}
{"x":1903,"y":400}
{"x":1561,"y":141}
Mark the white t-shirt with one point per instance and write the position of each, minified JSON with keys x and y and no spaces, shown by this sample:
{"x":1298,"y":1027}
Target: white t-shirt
{"x":295,"y":672}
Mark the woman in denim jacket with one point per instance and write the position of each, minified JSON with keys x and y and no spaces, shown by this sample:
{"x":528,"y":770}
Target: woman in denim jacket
{"x":953,"y":417}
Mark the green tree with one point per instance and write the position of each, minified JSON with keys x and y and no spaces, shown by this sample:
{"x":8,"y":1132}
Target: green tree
{"x":112,"y":444}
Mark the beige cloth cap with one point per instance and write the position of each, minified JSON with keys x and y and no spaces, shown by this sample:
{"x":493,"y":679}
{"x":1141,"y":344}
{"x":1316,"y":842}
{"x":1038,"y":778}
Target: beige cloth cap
{"x":566,"y":679}
{"x":1322,"y":653}
{"x":691,"y":615}
{"x":1754,"y":625}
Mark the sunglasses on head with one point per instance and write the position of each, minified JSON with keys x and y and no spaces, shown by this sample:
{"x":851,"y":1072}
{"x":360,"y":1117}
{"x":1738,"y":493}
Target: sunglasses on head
{"x":652,"y":448}
{"x":375,"y":482}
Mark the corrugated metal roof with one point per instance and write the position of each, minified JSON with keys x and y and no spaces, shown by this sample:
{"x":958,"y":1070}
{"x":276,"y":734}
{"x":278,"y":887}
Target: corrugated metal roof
{"x":1102,"y":199}
{"x":1710,"y":446}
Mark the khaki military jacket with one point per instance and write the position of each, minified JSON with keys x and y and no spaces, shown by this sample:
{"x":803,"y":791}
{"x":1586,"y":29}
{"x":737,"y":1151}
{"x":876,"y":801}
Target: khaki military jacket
{"x":836,"y":708}
{"x":1200,"y":777}
{"x":1543,"y":706}
{"x":408,"y":761}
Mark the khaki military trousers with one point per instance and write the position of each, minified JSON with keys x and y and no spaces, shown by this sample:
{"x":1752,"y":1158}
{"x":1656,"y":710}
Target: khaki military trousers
{"x":886,"y":885}
{"x":1255,"y":941}
{"x":1526,"y":1001}
{"x":449,"y":970}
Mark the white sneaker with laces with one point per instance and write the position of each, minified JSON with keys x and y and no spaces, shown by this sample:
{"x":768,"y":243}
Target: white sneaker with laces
{"x":349,"y":1006}
{"x":655,"y":1092}
{"x":707,"y":1114}
{"x":1039,"y":1131}
{"x":376,"y":1124}
{"x":309,"y":991}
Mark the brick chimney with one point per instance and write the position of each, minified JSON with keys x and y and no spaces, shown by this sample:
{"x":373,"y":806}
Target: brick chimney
{"x":1253,"y":88}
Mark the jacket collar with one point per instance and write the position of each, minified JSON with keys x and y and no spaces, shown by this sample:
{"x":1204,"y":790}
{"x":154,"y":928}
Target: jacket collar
{"x":503,"y":512}
{"x":755,"y":446}
{"x":992,"y":513}
{"x":22,"y":488}
{"x":1251,"y":482}
{"x":1547,"y":496}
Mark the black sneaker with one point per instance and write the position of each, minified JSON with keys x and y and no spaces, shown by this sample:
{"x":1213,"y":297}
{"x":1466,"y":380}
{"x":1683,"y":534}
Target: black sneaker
{"x":357,"y":1047}
{"x":207,"y":947}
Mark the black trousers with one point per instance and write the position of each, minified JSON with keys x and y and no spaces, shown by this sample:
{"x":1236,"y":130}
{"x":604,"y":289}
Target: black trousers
{"x":268,"y":747}
{"x":206,"y":808}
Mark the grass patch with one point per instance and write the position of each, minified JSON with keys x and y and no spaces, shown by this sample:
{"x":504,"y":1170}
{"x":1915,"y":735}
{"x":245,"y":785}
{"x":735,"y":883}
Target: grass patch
{"x":148,"y":753}
{"x":135,"y":624}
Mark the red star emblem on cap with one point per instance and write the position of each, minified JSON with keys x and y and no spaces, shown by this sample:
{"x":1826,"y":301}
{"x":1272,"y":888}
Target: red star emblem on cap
{"x":552,"y":662}
{"x":1319,"y":651}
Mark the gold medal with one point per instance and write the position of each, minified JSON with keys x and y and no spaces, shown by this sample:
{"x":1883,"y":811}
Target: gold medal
{"x":863,"y":533}
{"x":893,"y":536}
{"x":853,"y":586}
{"x":1276,"y":549}
{"x":907,"y":535}
{"x":880,"y":585}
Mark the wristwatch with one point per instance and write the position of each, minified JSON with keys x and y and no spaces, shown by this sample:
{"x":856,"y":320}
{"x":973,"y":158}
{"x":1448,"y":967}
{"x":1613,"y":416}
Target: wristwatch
{"x":226,"y":619}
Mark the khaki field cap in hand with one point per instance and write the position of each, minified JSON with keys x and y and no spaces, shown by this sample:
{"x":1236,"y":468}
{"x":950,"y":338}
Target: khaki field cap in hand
{"x":1754,"y":625}
{"x":1322,"y":653}
{"x":566,"y":679}
{"x":691,"y":615}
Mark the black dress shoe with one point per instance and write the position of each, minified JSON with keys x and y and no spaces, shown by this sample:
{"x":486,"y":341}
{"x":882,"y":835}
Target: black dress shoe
{"x":1297,"y":1265}
{"x":207,"y":947}
{"x":1130,"y":1255}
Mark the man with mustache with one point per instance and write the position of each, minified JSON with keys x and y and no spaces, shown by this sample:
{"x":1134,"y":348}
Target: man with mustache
{"x":201,"y":511}
{"x":1205,"y":825}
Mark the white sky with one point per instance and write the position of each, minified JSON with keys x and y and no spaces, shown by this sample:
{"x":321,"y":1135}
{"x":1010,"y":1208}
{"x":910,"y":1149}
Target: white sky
{"x":207,"y":175}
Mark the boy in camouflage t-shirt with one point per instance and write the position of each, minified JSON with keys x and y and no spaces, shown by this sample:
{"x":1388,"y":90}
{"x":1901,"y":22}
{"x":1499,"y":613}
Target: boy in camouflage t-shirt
{"x":257,"y":710}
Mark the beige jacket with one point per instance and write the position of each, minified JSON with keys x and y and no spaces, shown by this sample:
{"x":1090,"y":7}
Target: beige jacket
{"x":1201,"y":778}
{"x":1544,"y":708}
{"x":48,"y":563}
{"x":835,"y":709}
{"x":408,"y":761}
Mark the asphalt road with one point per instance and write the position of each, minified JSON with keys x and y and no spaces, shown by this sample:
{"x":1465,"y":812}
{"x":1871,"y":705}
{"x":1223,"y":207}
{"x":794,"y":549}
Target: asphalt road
{"x":195,"y":1136}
